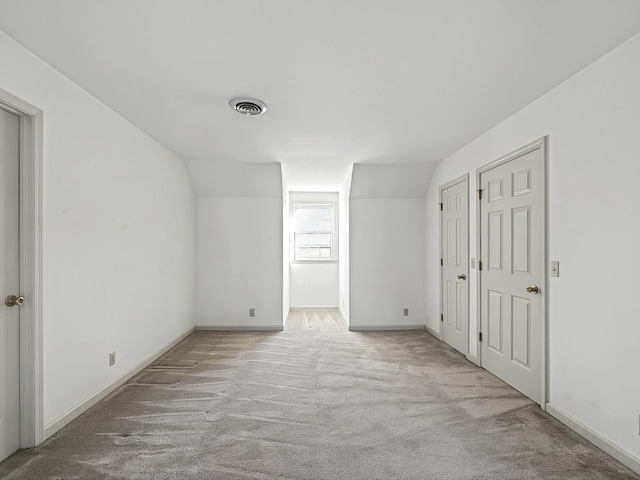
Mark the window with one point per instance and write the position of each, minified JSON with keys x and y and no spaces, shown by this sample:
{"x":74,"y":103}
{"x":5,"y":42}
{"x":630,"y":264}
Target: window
{"x":313,"y":232}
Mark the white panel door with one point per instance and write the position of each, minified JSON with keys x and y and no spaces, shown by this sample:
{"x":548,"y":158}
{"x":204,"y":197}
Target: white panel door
{"x":511,"y":238}
{"x":455,"y":260}
{"x":9,"y":284}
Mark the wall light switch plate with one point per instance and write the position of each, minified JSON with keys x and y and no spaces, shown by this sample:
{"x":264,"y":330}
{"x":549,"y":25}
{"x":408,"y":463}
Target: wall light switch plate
{"x":473,"y":263}
{"x":555,"y":268}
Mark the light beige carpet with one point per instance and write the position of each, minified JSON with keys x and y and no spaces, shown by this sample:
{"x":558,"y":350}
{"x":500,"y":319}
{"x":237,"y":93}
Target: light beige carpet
{"x":322,"y":320}
{"x":314,"y":403}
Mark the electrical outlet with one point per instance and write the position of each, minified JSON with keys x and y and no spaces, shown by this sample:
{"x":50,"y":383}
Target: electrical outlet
{"x":555,"y":268}
{"x":405,"y":312}
{"x":252,"y":312}
{"x":112,"y":359}
{"x":473,"y":263}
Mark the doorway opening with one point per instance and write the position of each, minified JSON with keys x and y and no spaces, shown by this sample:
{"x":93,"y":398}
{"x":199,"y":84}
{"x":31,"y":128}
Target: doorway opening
{"x":316,"y":247}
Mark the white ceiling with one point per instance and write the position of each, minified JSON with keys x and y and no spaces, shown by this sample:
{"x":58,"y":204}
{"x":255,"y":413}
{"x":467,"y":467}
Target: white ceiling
{"x":346,"y":81}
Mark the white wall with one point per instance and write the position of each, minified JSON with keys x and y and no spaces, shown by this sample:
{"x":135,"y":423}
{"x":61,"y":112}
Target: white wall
{"x":239,"y":262}
{"x":592,"y":121}
{"x":118,"y":236}
{"x":387,"y":263}
{"x":344,"y":303}
{"x":314,"y":284}
{"x":286,"y":251}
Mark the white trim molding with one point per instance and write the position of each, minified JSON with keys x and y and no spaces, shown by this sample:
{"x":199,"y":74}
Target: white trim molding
{"x":432,"y":332}
{"x":236,"y":328}
{"x":628,"y":459}
{"x":473,"y":359}
{"x":312,"y":309}
{"x":31,"y":409}
{"x":385,"y":328}
{"x":86,"y":404}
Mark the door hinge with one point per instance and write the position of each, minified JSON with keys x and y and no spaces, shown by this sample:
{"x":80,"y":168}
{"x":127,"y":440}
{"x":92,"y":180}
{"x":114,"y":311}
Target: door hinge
{"x":480,"y":265}
{"x":480,"y":194}
{"x":442,"y":262}
{"x":441,"y":207}
{"x":480,"y":336}
{"x":442,"y":317}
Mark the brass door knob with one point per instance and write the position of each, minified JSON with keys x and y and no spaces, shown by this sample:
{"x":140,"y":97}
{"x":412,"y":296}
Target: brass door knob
{"x":462,"y":276}
{"x":12,"y":301}
{"x":533,"y":289}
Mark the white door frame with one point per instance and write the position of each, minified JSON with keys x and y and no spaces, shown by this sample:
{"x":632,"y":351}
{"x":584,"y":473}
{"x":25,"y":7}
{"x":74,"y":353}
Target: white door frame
{"x":31,"y":411}
{"x":453,"y":182}
{"x":541,"y":144}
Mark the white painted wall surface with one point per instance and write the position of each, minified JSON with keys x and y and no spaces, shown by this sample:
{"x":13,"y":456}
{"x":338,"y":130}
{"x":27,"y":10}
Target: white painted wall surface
{"x":387,"y":263}
{"x":592,"y":120}
{"x":344,"y":303}
{"x":118,"y":236}
{"x":239,"y":262}
{"x":286,"y":252}
{"x":314,"y":285}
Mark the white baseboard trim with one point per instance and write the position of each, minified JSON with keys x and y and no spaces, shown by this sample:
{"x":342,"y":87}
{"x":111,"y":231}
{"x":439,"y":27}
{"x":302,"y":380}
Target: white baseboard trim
{"x":345,"y":316}
{"x":433,"y":332}
{"x":306,"y":309}
{"x":626,"y":458}
{"x":236,"y":328}
{"x":85,"y":405}
{"x":383,"y":328}
{"x":473,"y":359}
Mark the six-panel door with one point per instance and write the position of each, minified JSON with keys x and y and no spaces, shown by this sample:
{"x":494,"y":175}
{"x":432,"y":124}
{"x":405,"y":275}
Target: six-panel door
{"x":9,"y":285}
{"x":455,"y":261}
{"x":511,"y":216}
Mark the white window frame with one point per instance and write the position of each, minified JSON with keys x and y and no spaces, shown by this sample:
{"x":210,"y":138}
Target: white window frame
{"x":333,"y":232}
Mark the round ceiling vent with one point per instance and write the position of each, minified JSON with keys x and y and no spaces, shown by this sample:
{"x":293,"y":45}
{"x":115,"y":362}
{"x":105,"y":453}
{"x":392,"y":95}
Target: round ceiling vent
{"x":248,"y":106}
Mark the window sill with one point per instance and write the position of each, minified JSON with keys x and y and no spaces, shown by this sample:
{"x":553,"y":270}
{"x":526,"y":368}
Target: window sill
{"x":311,"y":262}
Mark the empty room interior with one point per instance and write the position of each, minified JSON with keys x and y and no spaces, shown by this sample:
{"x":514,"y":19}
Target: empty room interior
{"x":319,"y":240}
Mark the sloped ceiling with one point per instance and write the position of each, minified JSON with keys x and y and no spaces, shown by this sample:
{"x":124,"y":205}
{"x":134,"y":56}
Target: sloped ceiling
{"x":233,"y":179}
{"x":345,"y":81}
{"x":391,"y":181}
